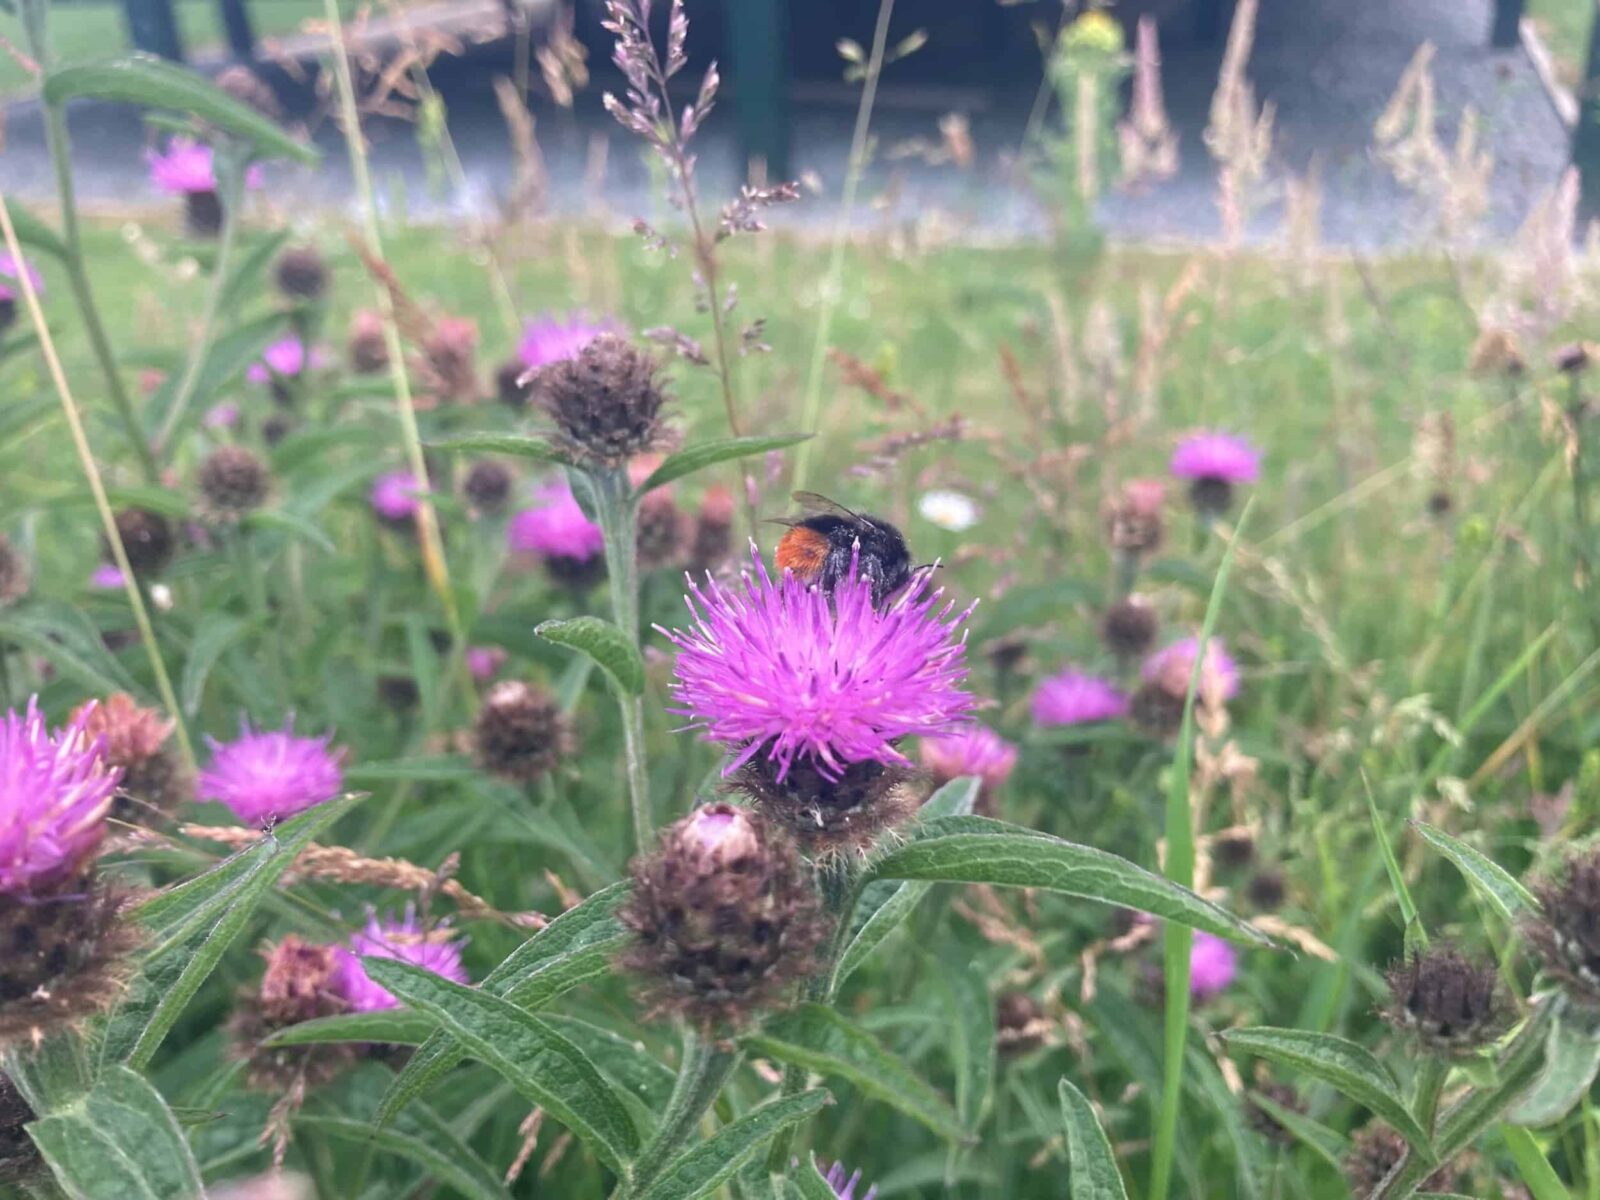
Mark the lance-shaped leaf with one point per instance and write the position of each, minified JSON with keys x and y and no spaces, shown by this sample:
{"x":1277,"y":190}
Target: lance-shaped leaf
{"x":1329,"y":1144}
{"x":702,"y":1170}
{"x":214,"y":634}
{"x":421,"y":1136}
{"x":31,"y":231}
{"x":69,"y":640}
{"x":1349,"y":1068}
{"x":824,"y":1040}
{"x":119,"y":1141}
{"x":386,"y":1027}
{"x":544,"y":1067}
{"x":1571,"y":1061}
{"x":1504,"y":892}
{"x":501,"y":443}
{"x":709,"y":454}
{"x":1094,"y":1167}
{"x":978,"y":850}
{"x":809,"y":1182}
{"x":607,"y":645}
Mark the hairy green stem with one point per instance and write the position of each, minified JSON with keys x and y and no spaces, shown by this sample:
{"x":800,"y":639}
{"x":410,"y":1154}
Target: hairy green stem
{"x":706,"y":1065}
{"x":1431,"y":1074}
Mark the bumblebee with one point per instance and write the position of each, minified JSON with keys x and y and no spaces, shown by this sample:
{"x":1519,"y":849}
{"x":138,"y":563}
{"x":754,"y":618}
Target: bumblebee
{"x":819,"y":547}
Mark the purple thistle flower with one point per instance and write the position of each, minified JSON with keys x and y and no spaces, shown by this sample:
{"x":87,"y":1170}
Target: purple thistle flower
{"x":221,"y":416}
{"x":782,"y":668}
{"x":1212,"y":965}
{"x":55,"y":790}
{"x":1170,"y":668}
{"x":549,"y":339}
{"x":106,"y":577}
{"x":555,"y":526}
{"x":977,"y":750}
{"x":844,"y":1183}
{"x":403,"y":940}
{"x":285,"y":358}
{"x":394,"y":496}
{"x":271,"y":775}
{"x":187,"y":167}
{"x":484,"y":662}
{"x":14,"y":268}
{"x":1218,"y":456}
{"x":1073,"y":698}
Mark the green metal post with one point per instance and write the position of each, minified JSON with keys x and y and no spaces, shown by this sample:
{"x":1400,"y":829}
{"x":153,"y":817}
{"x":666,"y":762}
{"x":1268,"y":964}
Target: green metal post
{"x":759,"y":71}
{"x":1507,"y":23}
{"x":1586,"y":137}
{"x":153,"y":28}
{"x":241,"y":35}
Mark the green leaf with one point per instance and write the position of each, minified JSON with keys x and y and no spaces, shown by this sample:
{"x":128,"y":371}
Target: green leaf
{"x":971,"y":1042}
{"x":823,"y":1040}
{"x":31,"y":231}
{"x":419,"y":1135}
{"x":290,"y":522}
{"x":213,"y":635}
{"x":1416,"y":936}
{"x":1349,"y":1068}
{"x":387,"y":1027}
{"x":809,"y":1182}
{"x":501,"y":443}
{"x":246,"y":279}
{"x":226,"y":360}
{"x":1571,"y":1061}
{"x":979,"y":850}
{"x":706,"y":1167}
{"x":1329,"y":1145}
{"x":150,"y":83}
{"x":1504,"y":893}
{"x":1532,"y":1165}
{"x":118,"y":1142}
{"x":544,"y":1067}
{"x":444,"y":768}
{"x":576,"y":947}
{"x":631,"y":1069}
{"x":184,"y":952}
{"x":708,"y":454}
{"x":1094,"y":1167}
{"x":68,"y":639}
{"x":602,"y":641}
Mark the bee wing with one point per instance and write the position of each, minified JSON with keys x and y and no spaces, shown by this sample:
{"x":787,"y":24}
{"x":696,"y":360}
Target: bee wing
{"x":815,"y":504}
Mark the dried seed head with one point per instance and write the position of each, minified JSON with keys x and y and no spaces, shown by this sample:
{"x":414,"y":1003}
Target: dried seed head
{"x":508,"y":385}
{"x":14,"y":575}
{"x":1567,"y":936}
{"x":245,"y":86}
{"x":275,"y":428}
{"x":487,"y":486}
{"x":302,"y":273}
{"x":1574,"y":358}
{"x":521,"y":733}
{"x":1020,"y":1025}
{"x":1155,"y":711}
{"x":1450,"y":1004}
{"x":19,"y":1157}
{"x":1440,"y":503}
{"x":148,"y":539}
{"x":713,"y":531}
{"x":202,"y":214}
{"x":369,"y":348}
{"x":153,"y":777}
{"x":301,"y":983}
{"x":606,"y":402}
{"x":233,"y":483}
{"x":450,"y":360}
{"x":1133,"y":519}
{"x":1375,"y":1149}
{"x":1211,"y":496}
{"x":725,"y":917}
{"x":664,"y":531}
{"x":1234,"y":849}
{"x":1267,"y":890}
{"x":827,"y":815}
{"x":1129,"y":628}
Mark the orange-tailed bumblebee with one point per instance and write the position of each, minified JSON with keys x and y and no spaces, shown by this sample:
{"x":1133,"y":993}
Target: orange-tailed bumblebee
{"x":820,"y":546}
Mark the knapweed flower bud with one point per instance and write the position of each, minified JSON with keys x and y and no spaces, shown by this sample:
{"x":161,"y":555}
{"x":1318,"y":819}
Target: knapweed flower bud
{"x":1157,"y":706}
{"x":725,"y":917}
{"x":509,"y":388}
{"x":64,"y":944}
{"x":1129,"y":628}
{"x":270,"y":775}
{"x":484,"y":662}
{"x":14,"y":574}
{"x":1567,"y":935}
{"x":301,"y":273}
{"x":550,"y":339}
{"x":247,"y":87}
{"x":404,"y":939}
{"x":521,"y":733}
{"x":301,"y":983}
{"x":1213,"y":963}
{"x":11,"y":271}
{"x":1233,"y":849}
{"x":147,"y":538}
{"x":606,"y":402}
{"x":1267,"y":890}
{"x":450,"y":360}
{"x":1214,"y":464}
{"x":1375,"y":1150}
{"x":1574,"y":358}
{"x":662,"y":531}
{"x":1020,"y":1025}
{"x":1263,"y":1121}
{"x":1450,"y":1004}
{"x":978,"y":751}
{"x":368,"y":347}
{"x":1134,"y":523}
{"x":712,"y":543}
{"x":398,"y":693}
{"x":393,"y":497}
{"x":233,"y":483}
{"x":187,"y":168}
{"x":20,"y":1159}
{"x":487,"y":486}
{"x":136,"y":744}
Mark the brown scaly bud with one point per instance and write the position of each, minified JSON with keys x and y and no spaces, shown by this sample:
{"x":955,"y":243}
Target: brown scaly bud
{"x":713,"y":531}
{"x":487,"y":486}
{"x":508,"y":385}
{"x":1133,"y":520}
{"x":1440,"y":504}
{"x":20,"y":1160}
{"x":14,"y":575}
{"x":663,"y":531}
{"x":521,"y":733}
{"x":202,"y":214}
{"x":275,"y":428}
{"x":233,"y":483}
{"x":1020,"y":1025}
{"x":301,"y":983}
{"x":725,"y":918}
{"x":369,"y":348}
{"x":398,"y":693}
{"x":1375,"y":1149}
{"x":831,"y":815}
{"x":153,"y":776}
{"x":1155,"y":711}
{"x":301,"y":273}
{"x":1267,"y":890}
{"x":147,"y":537}
{"x":450,"y":360}
{"x":1129,"y":628}
{"x":1567,"y":935}
{"x":1450,"y":1004}
{"x":1496,"y":352}
{"x":8,"y":310}
{"x":245,"y":86}
{"x":606,"y":402}
{"x":1234,"y":849}
{"x":1575,"y":358}
{"x":1263,"y":1121}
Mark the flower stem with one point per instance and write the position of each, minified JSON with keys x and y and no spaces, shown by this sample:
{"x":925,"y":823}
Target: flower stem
{"x":705,"y":1068}
{"x":1431,"y":1074}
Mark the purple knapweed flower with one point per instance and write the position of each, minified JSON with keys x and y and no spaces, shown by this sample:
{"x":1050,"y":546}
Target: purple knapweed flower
{"x":1212,"y":965}
{"x":106,"y":577}
{"x":55,"y":790}
{"x":484,"y":662}
{"x":285,"y":358}
{"x":187,"y":167}
{"x":221,"y":416}
{"x":16,"y":268}
{"x":782,"y":668}
{"x":977,"y":750}
{"x":394,"y":496}
{"x":549,"y":339}
{"x":1170,"y":668}
{"x":844,"y":1183}
{"x":270,"y":775}
{"x":404,"y":940}
{"x":1073,"y":698}
{"x":555,"y":527}
{"x":1220,"y":456}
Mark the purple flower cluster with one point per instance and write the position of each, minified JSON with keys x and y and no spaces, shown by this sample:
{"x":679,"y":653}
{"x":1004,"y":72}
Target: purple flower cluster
{"x":15,"y":268}
{"x":55,"y":791}
{"x":187,"y":167}
{"x":1171,"y":667}
{"x":394,"y":496}
{"x":782,"y":668}
{"x":271,"y":775}
{"x":555,"y":526}
{"x":404,"y":940}
{"x":844,"y":1184}
{"x":1073,"y":698}
{"x":977,"y":750}
{"x":549,"y":339}
{"x":1212,"y":965}
{"x":1220,"y":456}
{"x":285,"y":358}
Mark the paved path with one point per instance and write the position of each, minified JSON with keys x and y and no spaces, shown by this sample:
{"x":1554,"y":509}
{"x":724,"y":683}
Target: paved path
{"x":1329,"y":66}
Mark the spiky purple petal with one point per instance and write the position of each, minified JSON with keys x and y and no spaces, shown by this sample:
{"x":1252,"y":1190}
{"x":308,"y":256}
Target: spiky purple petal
{"x":55,"y":791}
{"x":1216,"y":456}
{"x":271,"y":775}
{"x":404,"y":940}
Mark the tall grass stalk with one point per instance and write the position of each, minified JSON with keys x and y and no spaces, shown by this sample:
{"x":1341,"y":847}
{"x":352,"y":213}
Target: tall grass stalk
{"x":97,"y":488}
